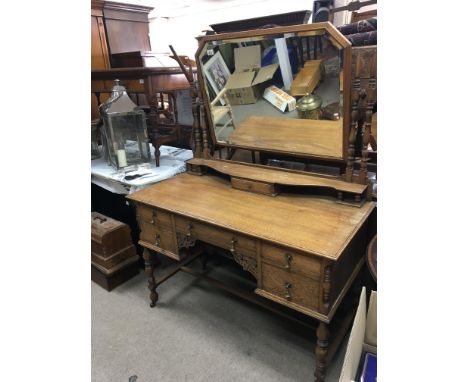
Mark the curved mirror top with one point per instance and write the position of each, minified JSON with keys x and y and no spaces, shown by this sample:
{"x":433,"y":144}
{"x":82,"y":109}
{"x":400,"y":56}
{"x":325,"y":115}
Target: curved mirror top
{"x":280,"y":92}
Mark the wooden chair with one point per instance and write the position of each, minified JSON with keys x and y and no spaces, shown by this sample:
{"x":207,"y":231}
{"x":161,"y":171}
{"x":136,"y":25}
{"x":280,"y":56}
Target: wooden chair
{"x":163,"y":126}
{"x":221,"y":114}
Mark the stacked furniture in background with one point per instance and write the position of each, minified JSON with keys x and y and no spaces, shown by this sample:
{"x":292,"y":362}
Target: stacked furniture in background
{"x":363,"y":37}
{"x":116,"y":28}
{"x":113,"y":256}
{"x":359,"y":33}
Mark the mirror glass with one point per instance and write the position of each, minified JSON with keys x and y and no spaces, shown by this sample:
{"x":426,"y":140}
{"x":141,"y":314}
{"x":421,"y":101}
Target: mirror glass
{"x":280,"y":93}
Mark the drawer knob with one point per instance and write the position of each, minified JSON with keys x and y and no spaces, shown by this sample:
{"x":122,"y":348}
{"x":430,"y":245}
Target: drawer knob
{"x":153,"y":215}
{"x":288,"y":259}
{"x":158,"y":240}
{"x":189,"y":231}
{"x":233,"y":245}
{"x":287,"y":287}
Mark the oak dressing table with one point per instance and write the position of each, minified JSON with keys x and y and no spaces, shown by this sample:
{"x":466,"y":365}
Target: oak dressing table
{"x":301,"y":235}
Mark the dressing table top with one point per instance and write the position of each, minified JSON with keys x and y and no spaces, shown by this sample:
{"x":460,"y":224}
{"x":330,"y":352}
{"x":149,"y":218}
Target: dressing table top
{"x":317,"y":225}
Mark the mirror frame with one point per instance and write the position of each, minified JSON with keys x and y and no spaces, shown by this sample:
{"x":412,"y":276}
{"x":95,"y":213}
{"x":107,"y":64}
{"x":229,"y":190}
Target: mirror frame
{"x":337,"y":39}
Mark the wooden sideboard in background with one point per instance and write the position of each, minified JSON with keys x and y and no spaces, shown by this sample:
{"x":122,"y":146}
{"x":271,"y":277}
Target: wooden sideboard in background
{"x":116,"y":28}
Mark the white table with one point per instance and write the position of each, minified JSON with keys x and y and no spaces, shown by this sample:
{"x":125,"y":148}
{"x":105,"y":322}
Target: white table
{"x":172,"y":162}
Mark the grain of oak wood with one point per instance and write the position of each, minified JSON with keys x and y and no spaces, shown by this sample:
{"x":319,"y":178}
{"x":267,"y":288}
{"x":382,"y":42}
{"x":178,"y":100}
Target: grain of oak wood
{"x":316,"y":225}
{"x":300,"y":136}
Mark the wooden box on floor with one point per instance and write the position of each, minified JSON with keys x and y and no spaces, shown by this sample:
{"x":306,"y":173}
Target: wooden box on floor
{"x":109,"y":279}
{"x":113,"y":256}
{"x":307,"y":79}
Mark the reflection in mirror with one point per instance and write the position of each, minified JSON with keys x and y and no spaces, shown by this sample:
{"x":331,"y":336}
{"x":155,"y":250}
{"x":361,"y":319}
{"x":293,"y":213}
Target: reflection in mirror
{"x":276,"y":92}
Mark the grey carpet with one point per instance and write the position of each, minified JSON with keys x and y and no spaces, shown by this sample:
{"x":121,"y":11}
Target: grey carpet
{"x":195,"y":333}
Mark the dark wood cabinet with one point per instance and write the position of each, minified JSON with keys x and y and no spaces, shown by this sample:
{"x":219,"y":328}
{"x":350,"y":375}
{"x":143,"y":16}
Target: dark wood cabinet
{"x":116,"y":28}
{"x":127,"y":27}
{"x":99,"y":50}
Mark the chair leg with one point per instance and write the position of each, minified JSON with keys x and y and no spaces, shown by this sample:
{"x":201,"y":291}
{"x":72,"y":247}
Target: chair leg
{"x":315,"y":47}
{"x":231,"y":152}
{"x":157,"y":154}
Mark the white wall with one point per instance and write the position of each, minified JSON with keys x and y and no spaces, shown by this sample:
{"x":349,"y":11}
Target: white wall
{"x":179,"y":27}
{"x":178,"y":22}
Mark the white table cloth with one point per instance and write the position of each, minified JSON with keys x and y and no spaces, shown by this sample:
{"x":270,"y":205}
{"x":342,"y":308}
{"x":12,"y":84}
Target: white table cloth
{"x":172,"y":162}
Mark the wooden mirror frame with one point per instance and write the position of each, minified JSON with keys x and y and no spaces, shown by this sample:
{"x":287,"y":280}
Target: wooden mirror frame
{"x":336,"y":38}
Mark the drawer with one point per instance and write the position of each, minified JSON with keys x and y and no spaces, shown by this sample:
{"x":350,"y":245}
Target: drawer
{"x":291,"y":261}
{"x":290,"y":287}
{"x":159,"y":238}
{"x":216,"y":236}
{"x":150,"y":216}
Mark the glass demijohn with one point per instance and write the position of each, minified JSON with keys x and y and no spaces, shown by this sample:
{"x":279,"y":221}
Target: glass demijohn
{"x":125,"y":136}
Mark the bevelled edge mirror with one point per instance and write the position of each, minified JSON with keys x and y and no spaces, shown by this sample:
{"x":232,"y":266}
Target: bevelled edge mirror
{"x":282,"y":90}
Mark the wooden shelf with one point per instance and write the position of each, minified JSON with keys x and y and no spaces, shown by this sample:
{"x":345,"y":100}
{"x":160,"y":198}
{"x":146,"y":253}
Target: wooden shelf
{"x":258,"y":176}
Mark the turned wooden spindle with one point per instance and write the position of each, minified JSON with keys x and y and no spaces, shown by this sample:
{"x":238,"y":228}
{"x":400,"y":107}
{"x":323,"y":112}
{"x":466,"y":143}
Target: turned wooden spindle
{"x":149,"y":270}
{"x":353,"y":131}
{"x":195,"y":113}
{"x":326,"y":287}
{"x":321,"y":352}
{"x":206,"y":148}
{"x":196,"y":120}
{"x":365,"y":143}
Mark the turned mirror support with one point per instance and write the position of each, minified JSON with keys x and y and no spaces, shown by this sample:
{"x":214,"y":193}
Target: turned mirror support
{"x":353,"y":131}
{"x":206,"y":147}
{"x":194,"y":92}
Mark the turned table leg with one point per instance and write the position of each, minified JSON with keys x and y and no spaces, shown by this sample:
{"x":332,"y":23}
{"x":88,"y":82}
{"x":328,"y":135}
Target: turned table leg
{"x":321,"y":351}
{"x":149,"y":269}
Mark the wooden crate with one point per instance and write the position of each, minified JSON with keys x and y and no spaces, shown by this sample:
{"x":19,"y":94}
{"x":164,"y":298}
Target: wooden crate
{"x":113,"y":255}
{"x":111,"y":278}
{"x":307,"y":78}
{"x":108,"y":235}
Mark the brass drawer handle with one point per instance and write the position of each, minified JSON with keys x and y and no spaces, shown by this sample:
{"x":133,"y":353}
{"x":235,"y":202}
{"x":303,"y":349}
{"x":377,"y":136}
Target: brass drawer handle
{"x":158,"y":240}
{"x":153,"y":215}
{"x":287,"y":295}
{"x":189,"y":231}
{"x":288,"y":259}
{"x":233,"y":244}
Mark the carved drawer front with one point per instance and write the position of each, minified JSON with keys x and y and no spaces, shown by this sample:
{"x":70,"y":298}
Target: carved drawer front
{"x":290,"y":287}
{"x":216,"y":236}
{"x":153,"y":217}
{"x":291,"y":261}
